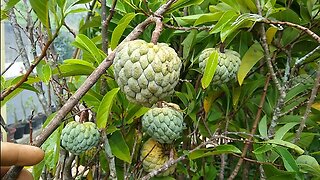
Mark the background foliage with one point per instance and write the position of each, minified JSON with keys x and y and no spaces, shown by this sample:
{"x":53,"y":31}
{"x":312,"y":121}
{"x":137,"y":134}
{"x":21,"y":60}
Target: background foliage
{"x":264,"y":124}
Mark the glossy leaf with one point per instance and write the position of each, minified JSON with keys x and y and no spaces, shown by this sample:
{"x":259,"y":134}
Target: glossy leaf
{"x":210,"y":17}
{"x":37,"y":170}
{"x":262,"y":149}
{"x":118,"y":31}
{"x":182,"y":4}
{"x":289,"y":162}
{"x":52,"y":148}
{"x":285,"y":144}
{"x":221,"y":149}
{"x":251,"y":57}
{"x":210,"y":69}
{"x":66,"y":70}
{"x":309,"y":164}
{"x":78,"y":61}
{"x":119,"y":147}
{"x":283,"y":130}
{"x":105,"y":108}
{"x":225,"y":18}
{"x":188,"y":43}
{"x":263,"y":128}
{"x":271,"y":32}
{"x":9,"y":4}
{"x":84,"y":43}
{"x":42,"y":11}
{"x":135,"y":112}
{"x":273,"y":173}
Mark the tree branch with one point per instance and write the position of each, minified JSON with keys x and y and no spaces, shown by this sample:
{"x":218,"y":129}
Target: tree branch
{"x":308,"y":109}
{"x":253,"y":131}
{"x":306,"y":30}
{"x":29,"y":71}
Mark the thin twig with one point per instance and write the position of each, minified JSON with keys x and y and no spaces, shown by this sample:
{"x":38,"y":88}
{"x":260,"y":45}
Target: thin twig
{"x":111,"y":159}
{"x":30,"y":127}
{"x":253,"y":131}
{"x":29,"y":71}
{"x":308,"y":109}
{"x":306,"y":30}
{"x":202,"y":28}
{"x":15,"y":59}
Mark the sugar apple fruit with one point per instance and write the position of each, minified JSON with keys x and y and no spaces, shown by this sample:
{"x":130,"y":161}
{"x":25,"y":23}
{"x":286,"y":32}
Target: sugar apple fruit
{"x":146,"y":72}
{"x":228,"y":64}
{"x":78,"y":137}
{"x":154,"y":155}
{"x":163,"y":124}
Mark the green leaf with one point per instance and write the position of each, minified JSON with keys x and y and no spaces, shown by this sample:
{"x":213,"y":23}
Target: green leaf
{"x":84,"y":43}
{"x":221,"y":149}
{"x":118,"y":31}
{"x":10,"y":4}
{"x":47,"y":72}
{"x":263,"y":128}
{"x":308,"y":164}
{"x":67,"y":70}
{"x":295,"y":91}
{"x":262,"y":149}
{"x":119,"y":147}
{"x":285,"y":144}
{"x":28,"y":87}
{"x":61,"y":4}
{"x":2,"y":83}
{"x":78,"y":10}
{"x":182,"y":4}
{"x":188,"y":43}
{"x":251,"y":57}
{"x":42,"y":11}
{"x":273,"y":173}
{"x":289,"y":163}
{"x":135,"y":112}
{"x":78,"y":61}
{"x":243,"y":21}
{"x":283,"y":130}
{"x":225,"y":18}
{"x":37,"y":170}
{"x":105,"y":108}
{"x":52,"y":149}
{"x":210,"y":69}
{"x":210,"y":17}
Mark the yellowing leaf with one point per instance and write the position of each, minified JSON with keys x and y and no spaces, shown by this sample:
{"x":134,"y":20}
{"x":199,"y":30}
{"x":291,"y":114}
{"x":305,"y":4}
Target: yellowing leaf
{"x":316,"y":106}
{"x":270,"y":33}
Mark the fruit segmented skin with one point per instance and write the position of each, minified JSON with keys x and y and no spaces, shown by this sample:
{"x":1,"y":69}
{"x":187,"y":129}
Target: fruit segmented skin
{"x":163,"y":124}
{"x":77,"y":137}
{"x":228,"y":64}
{"x":153,"y":157}
{"x":145,"y":72}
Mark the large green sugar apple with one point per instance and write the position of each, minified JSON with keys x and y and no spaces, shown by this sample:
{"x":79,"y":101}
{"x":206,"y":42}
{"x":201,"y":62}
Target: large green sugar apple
{"x":228,"y":64}
{"x":154,"y":155}
{"x":146,"y":72}
{"x":78,"y":137}
{"x":164,"y":124}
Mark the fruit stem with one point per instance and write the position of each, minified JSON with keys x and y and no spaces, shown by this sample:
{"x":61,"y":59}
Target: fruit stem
{"x":84,"y":116}
{"x":222,"y":47}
